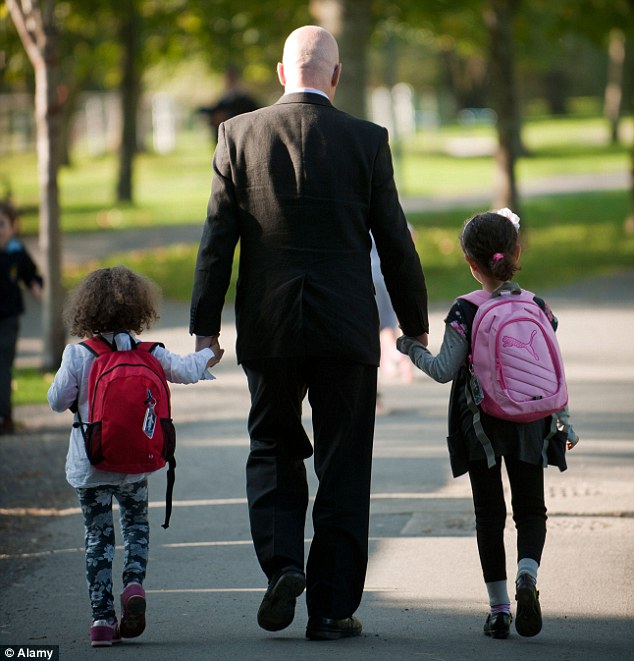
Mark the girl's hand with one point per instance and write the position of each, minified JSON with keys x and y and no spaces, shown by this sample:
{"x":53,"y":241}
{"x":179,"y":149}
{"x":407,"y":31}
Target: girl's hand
{"x":571,"y":442}
{"x":572,"y":439}
{"x":218,"y":353}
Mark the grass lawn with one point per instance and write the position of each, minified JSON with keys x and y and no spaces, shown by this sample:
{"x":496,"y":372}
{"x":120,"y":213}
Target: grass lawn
{"x":565,"y":237}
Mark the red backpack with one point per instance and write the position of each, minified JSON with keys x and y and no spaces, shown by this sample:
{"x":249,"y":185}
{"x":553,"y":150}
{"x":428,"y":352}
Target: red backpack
{"x":129,"y":427}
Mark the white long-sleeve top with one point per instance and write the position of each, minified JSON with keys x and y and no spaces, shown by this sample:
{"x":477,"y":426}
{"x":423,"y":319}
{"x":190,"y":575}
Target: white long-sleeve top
{"x":71,"y":384}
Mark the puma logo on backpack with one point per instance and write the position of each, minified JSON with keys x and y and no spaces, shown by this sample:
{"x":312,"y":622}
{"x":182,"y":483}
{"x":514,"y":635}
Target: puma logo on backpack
{"x":515,"y":357}
{"x":129,"y":427}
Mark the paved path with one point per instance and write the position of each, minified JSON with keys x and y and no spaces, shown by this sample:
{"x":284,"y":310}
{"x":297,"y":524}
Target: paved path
{"x":424,"y":597}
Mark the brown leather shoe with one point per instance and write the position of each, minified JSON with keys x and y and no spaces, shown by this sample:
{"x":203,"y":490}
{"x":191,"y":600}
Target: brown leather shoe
{"x":325,"y":628}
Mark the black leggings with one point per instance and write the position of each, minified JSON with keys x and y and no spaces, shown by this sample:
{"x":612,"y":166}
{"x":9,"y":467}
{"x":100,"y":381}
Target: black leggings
{"x":529,"y":513}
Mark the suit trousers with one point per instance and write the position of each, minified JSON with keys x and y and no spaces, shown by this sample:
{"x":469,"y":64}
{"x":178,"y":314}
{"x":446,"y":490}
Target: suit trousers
{"x":342,"y":396}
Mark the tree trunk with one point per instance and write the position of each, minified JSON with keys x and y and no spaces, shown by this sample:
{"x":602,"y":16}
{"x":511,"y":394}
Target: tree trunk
{"x":350,"y":23}
{"x":130,"y":91}
{"x":40,"y":40}
{"x":614,"y":87}
{"x":499,"y":21}
{"x":629,"y":221}
{"x":47,"y":113}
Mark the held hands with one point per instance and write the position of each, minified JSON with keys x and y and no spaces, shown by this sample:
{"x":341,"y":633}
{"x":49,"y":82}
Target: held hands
{"x":211,"y":341}
{"x":423,"y":339}
{"x":405,"y":343}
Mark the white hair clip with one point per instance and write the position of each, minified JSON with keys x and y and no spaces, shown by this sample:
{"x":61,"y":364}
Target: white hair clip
{"x":513,"y":217}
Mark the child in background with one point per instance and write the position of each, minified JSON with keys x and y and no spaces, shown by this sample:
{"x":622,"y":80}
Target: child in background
{"x":491,"y":248}
{"x":16,"y":267}
{"x":113,"y":303}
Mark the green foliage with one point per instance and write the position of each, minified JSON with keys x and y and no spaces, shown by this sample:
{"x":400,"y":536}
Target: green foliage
{"x":30,"y":386}
{"x":565,"y":238}
{"x":174,"y":189}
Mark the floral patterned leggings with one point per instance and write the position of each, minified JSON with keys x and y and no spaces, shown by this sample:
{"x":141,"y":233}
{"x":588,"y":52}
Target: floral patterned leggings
{"x":96,"y":505}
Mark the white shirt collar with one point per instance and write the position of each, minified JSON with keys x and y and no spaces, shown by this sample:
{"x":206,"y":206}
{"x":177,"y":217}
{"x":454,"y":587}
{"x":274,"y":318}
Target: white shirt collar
{"x":311,"y":90}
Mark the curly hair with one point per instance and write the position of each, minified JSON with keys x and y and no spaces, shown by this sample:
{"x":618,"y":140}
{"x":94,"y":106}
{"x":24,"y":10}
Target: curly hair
{"x":491,"y":240}
{"x":110,"y":300}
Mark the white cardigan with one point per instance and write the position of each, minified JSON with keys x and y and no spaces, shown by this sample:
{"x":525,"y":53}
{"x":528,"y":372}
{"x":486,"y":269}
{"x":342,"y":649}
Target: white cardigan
{"x":71,"y":383}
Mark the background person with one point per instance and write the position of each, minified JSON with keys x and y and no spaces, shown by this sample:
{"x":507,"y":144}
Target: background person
{"x":17,"y":269}
{"x":234,"y":101}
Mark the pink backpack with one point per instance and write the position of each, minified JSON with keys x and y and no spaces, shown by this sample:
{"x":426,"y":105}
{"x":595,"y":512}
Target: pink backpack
{"x":515,"y":357}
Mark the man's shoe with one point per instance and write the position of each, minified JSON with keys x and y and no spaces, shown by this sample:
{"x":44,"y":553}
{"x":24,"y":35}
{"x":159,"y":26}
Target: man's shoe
{"x":277,"y":609}
{"x":498,"y":625}
{"x":324,"y":628}
{"x":132,"y":610}
{"x":528,"y":617}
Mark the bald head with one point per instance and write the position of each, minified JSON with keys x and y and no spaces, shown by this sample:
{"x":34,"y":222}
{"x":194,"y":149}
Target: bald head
{"x":311,"y":59}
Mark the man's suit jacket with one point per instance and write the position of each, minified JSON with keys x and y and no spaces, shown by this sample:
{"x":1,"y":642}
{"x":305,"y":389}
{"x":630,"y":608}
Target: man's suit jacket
{"x":300,"y":185}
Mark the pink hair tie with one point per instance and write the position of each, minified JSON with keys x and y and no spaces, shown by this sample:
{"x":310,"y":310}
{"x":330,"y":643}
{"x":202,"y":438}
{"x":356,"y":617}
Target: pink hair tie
{"x":498,"y":257}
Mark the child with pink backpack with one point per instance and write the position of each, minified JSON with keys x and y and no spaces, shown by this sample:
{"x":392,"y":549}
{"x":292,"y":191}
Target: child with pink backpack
{"x":508,"y":401}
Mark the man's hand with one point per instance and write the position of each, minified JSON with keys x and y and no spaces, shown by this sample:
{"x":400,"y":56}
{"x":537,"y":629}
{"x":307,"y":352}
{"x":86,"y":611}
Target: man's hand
{"x":405,"y":343}
{"x":423,"y":339}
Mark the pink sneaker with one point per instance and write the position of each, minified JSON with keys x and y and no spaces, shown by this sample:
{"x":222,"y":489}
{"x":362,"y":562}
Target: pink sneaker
{"x":132,"y":610}
{"x":104,"y":634}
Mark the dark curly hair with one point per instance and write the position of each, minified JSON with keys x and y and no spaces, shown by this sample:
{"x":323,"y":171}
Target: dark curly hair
{"x":110,"y":300}
{"x":491,"y":240}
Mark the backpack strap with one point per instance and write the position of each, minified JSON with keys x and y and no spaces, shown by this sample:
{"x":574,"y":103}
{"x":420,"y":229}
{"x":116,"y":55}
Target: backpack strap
{"x":476,"y":298}
{"x":171,"y":478}
{"x":485,"y":441}
{"x":171,"y":462}
{"x":97,"y":345}
{"x":147,"y":346}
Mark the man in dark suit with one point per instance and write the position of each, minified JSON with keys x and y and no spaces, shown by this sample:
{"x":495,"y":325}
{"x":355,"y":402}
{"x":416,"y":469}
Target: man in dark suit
{"x":300,"y":185}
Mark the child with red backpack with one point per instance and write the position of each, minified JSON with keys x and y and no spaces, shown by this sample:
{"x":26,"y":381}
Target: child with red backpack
{"x":116,"y":386}
{"x":508,"y":400}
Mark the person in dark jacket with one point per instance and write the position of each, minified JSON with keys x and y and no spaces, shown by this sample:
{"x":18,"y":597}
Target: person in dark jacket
{"x":234,"y":101}
{"x":301,"y":185}
{"x":16,"y":269}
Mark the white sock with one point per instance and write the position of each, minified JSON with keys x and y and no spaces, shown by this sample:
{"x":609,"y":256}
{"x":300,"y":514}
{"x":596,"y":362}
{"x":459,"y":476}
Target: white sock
{"x":498,"y":594}
{"x":527,"y":566}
